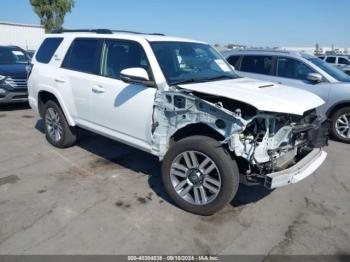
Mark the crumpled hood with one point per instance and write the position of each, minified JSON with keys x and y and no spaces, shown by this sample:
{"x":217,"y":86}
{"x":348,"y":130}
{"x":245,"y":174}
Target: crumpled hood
{"x":264,"y":96}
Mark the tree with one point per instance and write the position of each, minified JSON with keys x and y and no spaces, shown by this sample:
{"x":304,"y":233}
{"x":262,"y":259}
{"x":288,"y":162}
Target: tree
{"x":52,"y":12}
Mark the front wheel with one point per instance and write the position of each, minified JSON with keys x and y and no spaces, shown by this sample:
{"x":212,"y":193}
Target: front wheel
{"x":341,"y":125}
{"x":200,"y":175}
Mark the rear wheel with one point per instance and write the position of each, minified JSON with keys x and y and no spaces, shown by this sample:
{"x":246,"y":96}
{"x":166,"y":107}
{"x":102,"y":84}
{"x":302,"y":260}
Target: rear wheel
{"x":341,"y":125}
{"x":199,"y":175}
{"x":57,"y":130}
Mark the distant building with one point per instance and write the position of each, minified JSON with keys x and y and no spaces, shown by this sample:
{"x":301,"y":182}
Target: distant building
{"x":328,"y":50}
{"x":25,"y":36}
{"x":234,"y":46}
{"x":308,"y":50}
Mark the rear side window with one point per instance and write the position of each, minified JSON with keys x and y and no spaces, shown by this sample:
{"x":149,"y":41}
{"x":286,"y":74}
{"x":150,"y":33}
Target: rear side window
{"x":233,"y":60}
{"x":47,"y":49}
{"x":83,"y":55}
{"x":330,"y":60}
{"x":257,"y":64}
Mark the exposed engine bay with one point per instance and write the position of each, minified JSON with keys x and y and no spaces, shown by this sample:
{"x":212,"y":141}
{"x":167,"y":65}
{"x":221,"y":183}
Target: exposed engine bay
{"x":264,"y":142}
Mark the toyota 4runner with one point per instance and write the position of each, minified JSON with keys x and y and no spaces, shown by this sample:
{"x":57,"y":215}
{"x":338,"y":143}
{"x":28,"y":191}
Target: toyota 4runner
{"x":179,"y":100}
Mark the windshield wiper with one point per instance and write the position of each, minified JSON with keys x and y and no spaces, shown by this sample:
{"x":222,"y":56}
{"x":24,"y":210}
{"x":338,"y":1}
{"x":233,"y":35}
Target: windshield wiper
{"x":200,"y":80}
{"x":186,"y":81}
{"x":218,"y":78}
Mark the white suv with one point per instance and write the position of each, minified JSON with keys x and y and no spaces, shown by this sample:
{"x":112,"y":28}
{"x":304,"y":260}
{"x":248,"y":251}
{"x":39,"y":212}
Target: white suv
{"x":340,"y":61}
{"x":180,"y":100}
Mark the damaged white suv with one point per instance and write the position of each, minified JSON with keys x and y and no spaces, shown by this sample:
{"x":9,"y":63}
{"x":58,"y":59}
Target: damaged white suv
{"x":181,"y":101}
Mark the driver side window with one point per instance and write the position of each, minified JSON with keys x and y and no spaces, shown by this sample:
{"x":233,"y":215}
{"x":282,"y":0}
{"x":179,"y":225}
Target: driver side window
{"x":119,"y":55}
{"x":292,"y":68}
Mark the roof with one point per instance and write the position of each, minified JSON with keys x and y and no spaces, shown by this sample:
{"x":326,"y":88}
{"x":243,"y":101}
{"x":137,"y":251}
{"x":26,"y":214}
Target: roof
{"x":266,"y":52}
{"x":105,"y":33}
{"x":20,"y":25}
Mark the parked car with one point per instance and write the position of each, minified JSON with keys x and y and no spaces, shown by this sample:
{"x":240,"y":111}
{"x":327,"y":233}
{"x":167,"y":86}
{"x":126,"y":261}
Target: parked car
{"x":30,"y":53}
{"x":305,"y":72}
{"x":340,"y":61}
{"x":179,"y":100}
{"x":14,"y":64}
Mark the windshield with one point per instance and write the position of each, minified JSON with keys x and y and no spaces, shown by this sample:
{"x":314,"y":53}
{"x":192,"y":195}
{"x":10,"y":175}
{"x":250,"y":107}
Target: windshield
{"x":183,"y":62}
{"x":331,"y":70}
{"x":12,"y":56}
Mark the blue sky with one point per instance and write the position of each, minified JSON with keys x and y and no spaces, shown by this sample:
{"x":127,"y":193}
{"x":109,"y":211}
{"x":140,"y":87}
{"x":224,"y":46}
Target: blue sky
{"x":250,"y":22}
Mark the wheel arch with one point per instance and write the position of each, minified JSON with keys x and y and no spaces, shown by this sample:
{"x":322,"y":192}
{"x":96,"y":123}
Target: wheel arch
{"x":194,"y":130}
{"x":330,"y":112}
{"x":46,"y":95}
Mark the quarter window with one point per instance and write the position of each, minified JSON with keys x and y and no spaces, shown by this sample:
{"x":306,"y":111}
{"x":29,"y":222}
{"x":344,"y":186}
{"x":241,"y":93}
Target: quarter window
{"x":83,"y":55}
{"x":119,"y":55}
{"x":330,"y":60}
{"x":258,"y":64}
{"x":291,"y":68}
{"x":47,"y":49}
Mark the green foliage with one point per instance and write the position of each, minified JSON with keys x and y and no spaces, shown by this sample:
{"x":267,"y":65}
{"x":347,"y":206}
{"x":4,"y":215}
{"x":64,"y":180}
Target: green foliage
{"x":52,"y":12}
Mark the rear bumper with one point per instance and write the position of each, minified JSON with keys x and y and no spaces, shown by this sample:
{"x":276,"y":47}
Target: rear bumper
{"x":304,"y":168}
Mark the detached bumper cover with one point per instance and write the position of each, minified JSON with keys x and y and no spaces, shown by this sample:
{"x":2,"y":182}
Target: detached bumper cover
{"x":304,"y":168}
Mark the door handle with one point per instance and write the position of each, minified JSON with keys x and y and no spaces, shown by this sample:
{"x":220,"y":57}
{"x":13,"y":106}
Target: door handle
{"x":98,"y":89}
{"x":60,"y":80}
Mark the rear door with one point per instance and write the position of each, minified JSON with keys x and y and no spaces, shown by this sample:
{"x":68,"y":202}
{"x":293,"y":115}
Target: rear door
{"x":260,"y":67}
{"x":78,"y":76}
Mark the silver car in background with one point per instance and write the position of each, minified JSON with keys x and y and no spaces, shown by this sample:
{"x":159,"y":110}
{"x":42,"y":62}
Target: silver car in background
{"x":302,"y":71}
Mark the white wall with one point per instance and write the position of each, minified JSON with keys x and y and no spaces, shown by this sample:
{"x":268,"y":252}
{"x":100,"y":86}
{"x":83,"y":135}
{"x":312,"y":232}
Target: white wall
{"x":28,"y":37}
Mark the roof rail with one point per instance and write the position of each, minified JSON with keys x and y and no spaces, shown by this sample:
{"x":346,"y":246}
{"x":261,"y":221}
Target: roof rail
{"x":99,"y":31}
{"x":264,"y":50}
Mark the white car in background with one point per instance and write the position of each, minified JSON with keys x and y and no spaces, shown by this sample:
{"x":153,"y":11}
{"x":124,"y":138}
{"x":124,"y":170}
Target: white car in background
{"x":340,"y":61}
{"x":302,"y":71}
{"x":179,"y":100}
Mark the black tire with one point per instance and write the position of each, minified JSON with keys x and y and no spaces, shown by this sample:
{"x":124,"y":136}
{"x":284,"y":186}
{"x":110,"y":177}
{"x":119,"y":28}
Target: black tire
{"x":226,"y":165}
{"x":68,"y":137}
{"x":334,"y":118}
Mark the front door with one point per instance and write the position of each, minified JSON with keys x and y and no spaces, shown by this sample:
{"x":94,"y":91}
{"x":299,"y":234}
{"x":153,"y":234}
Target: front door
{"x":119,"y":107}
{"x":292,"y":72}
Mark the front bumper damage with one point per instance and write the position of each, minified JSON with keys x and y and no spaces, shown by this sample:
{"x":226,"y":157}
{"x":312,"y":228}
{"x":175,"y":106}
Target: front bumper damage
{"x":304,"y":168}
{"x":273,"y":149}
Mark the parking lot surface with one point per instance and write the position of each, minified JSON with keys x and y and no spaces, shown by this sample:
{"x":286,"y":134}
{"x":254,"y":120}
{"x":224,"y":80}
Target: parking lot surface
{"x":103,"y":197}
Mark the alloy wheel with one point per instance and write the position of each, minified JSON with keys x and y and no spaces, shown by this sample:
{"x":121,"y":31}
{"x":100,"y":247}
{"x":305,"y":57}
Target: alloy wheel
{"x":53,"y":124}
{"x":342,"y":126}
{"x":195,"y":177}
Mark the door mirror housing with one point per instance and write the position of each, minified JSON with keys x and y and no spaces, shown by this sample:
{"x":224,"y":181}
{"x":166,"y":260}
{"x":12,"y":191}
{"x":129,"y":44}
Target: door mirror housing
{"x":233,"y":68}
{"x":136,"y":75}
{"x":314,"y":78}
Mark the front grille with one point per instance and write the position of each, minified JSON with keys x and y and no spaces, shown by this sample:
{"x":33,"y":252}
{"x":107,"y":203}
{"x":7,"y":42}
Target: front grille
{"x":17,"y":82}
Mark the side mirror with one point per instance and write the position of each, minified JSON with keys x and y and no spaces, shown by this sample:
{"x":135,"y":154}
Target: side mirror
{"x":233,"y":68}
{"x":314,"y":77}
{"x":136,"y":75}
